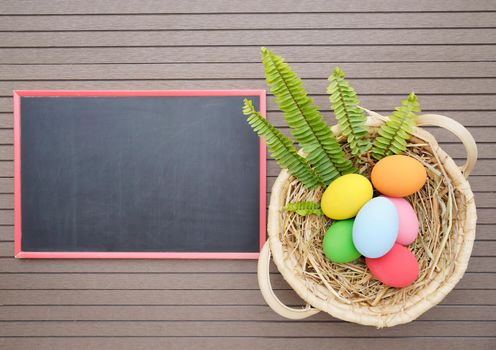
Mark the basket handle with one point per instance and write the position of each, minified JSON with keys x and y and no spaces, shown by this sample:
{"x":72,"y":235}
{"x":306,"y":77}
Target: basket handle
{"x":460,"y":131}
{"x":268,"y":293}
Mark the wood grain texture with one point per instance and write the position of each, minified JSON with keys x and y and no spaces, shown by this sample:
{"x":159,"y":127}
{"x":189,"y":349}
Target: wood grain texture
{"x":235,"y":329}
{"x":443,"y":50}
{"x":65,"y":7}
{"x":186,"y":54}
{"x":249,"y":343}
{"x":258,"y":21}
{"x":336,"y":37}
{"x":213,"y":71}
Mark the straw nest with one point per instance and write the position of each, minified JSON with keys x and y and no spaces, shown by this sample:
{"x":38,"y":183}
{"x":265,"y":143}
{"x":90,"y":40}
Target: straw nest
{"x":436,"y":205}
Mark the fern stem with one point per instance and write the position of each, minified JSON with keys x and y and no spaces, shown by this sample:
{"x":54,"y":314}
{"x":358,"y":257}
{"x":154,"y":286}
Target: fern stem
{"x":352,"y":120}
{"x":306,"y":123}
{"x":281,"y":148}
{"x":387,"y":149}
{"x":304,"y":208}
{"x":294,"y":99}
{"x":393,"y":135}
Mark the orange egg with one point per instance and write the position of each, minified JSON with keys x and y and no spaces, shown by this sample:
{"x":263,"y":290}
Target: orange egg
{"x":398,"y":176}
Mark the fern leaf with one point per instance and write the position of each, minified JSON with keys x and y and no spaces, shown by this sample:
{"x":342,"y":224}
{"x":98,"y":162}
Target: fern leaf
{"x":304,"y":208}
{"x":393,"y":135}
{"x":281,"y":147}
{"x":307,"y":124}
{"x":351,"y":119}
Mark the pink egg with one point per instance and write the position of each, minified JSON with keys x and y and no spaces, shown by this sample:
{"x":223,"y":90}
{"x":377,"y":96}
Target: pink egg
{"x":398,"y":268}
{"x":408,"y":222}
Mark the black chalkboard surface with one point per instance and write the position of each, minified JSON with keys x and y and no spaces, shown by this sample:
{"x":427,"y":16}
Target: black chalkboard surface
{"x":138,"y":176}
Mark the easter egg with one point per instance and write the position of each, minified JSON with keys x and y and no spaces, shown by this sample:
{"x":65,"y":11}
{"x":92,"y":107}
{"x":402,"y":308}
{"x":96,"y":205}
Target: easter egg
{"x":398,"y":268}
{"x":408,"y":222}
{"x":376,"y":227}
{"x":344,"y":197}
{"x":398,"y":176}
{"x":338,"y":243}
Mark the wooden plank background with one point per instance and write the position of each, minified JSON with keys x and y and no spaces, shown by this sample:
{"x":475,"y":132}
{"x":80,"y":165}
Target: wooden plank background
{"x":443,"y":50}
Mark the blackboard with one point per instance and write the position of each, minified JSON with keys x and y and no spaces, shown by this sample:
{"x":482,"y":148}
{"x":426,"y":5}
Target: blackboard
{"x":125,"y":174}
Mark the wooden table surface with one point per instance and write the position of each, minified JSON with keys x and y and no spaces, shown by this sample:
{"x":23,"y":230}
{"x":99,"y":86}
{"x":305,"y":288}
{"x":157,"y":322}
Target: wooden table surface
{"x":443,"y":50}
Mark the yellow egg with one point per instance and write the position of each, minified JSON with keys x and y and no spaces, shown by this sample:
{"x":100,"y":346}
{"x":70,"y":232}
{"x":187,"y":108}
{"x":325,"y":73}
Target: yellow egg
{"x":345,"y":196}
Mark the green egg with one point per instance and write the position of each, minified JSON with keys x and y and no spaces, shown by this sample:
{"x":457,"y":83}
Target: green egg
{"x":338,"y":242}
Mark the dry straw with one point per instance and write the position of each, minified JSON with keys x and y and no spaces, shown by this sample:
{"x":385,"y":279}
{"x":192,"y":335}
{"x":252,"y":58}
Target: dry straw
{"x":446,"y":212}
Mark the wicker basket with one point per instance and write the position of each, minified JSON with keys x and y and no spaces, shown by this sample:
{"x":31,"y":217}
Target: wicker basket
{"x":321,"y":296}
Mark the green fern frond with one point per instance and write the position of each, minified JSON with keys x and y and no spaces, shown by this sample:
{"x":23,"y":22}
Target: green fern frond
{"x":393,"y":135}
{"x":307,"y":124}
{"x":304,"y":208}
{"x":351,"y":119}
{"x":281,"y":147}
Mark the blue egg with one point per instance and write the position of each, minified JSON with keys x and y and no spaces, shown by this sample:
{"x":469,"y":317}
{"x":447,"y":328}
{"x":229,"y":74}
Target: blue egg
{"x":376,"y":227}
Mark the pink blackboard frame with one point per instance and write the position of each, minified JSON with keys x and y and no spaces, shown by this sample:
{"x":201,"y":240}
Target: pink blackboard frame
{"x":19,"y":253}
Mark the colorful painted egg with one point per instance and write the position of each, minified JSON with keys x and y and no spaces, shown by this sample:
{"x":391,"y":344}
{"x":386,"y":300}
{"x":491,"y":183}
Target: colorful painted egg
{"x":344,"y":197}
{"x":376,"y":227}
{"x":398,"y":268}
{"x":408,"y":222}
{"x":398,"y":176}
{"x":338,"y":242}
